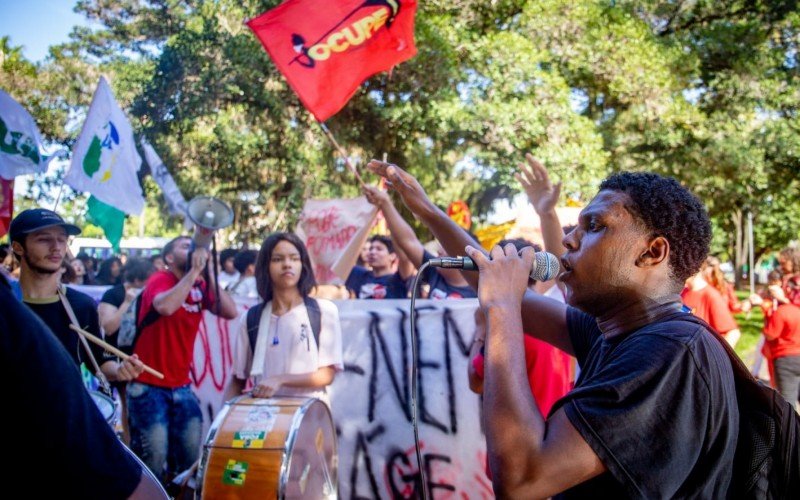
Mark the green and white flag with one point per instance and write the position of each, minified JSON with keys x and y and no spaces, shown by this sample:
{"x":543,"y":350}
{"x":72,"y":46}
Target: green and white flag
{"x":104,"y":160}
{"x":111,"y":219}
{"x":20,"y":141}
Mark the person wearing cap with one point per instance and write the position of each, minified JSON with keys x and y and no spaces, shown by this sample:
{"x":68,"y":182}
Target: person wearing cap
{"x":39,"y":241}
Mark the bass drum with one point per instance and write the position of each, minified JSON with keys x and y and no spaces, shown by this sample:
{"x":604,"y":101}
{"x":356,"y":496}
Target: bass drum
{"x":280,"y":447}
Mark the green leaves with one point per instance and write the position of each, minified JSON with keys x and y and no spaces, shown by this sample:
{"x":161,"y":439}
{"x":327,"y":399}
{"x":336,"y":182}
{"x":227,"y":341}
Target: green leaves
{"x":704,"y":91}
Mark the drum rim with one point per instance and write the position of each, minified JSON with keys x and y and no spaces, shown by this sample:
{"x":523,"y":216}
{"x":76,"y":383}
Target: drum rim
{"x":113,"y":402}
{"x":283,"y":476}
{"x":212,"y":434}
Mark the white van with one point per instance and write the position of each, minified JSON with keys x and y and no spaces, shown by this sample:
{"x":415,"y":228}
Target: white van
{"x":100,"y":248}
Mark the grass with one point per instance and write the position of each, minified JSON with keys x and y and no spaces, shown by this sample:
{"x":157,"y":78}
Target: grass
{"x":750,"y":326}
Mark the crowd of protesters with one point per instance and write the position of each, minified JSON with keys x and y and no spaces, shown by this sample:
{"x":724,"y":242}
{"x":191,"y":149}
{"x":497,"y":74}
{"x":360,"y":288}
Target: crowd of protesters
{"x":169,"y":291}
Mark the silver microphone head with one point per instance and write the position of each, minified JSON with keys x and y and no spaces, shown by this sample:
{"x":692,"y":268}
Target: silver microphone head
{"x":547,"y":267}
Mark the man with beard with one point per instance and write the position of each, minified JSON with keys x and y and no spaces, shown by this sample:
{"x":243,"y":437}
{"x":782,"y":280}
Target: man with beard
{"x":39,"y":240}
{"x":164,"y":414}
{"x":654,"y":412}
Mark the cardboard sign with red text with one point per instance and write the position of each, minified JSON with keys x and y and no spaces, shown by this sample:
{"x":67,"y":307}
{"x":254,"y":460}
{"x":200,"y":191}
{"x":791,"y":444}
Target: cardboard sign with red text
{"x":334,"y":232}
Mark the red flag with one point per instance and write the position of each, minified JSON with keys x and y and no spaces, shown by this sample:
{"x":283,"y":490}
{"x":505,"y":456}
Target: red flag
{"x":327,"y":49}
{"x":6,"y":204}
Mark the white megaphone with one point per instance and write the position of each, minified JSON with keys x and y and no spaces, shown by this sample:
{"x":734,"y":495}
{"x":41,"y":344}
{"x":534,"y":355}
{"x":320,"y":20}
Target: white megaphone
{"x":208,"y":215}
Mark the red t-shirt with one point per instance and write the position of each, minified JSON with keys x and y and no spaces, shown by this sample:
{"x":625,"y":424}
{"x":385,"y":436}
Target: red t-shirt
{"x":782,"y":332}
{"x":733,"y":302}
{"x":549,"y":372}
{"x":167,"y":344}
{"x":709,"y":305}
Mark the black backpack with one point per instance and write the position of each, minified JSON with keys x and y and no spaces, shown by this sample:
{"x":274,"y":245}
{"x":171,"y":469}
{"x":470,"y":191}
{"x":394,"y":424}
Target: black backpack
{"x":766,"y":463}
{"x":254,"y":317}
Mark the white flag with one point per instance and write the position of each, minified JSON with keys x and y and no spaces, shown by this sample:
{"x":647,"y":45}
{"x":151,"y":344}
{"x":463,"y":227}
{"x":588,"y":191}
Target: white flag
{"x":104,"y":160}
{"x":175,"y":200}
{"x":20,"y":141}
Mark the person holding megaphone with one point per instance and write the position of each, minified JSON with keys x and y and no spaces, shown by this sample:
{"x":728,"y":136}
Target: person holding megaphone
{"x":164,"y":414}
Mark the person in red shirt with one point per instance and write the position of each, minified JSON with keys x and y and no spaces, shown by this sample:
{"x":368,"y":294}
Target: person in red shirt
{"x":782,"y":346}
{"x":708,"y":304}
{"x":164,"y":414}
{"x":712,"y":273}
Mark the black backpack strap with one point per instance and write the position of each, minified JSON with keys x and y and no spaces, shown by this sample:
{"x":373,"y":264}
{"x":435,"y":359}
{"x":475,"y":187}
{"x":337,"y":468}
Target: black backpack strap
{"x":314,"y":316}
{"x":148,"y":319}
{"x":253,"y":318}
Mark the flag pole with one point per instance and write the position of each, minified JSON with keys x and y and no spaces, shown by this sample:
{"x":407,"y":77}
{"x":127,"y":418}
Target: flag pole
{"x":342,"y":152}
{"x":58,"y":198}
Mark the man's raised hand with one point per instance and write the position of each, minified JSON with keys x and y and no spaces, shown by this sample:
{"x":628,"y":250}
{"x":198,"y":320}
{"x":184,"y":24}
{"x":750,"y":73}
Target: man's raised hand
{"x":405,"y":184}
{"x":542,"y":193}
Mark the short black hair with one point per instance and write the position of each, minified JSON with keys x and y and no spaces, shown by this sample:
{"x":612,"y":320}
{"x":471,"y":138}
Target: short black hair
{"x":243,"y":259}
{"x":170,"y":246}
{"x":385,"y":240}
{"x":137,"y":269}
{"x":228,"y":253}
{"x":665,"y":208}
{"x":5,"y":249}
{"x":264,"y":283}
{"x":85,"y":257}
{"x":155,"y":256}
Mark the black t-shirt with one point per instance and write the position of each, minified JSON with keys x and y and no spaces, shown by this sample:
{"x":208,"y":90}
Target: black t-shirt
{"x":658,"y":406}
{"x":440,"y":289}
{"x":52,"y":312}
{"x":57,"y":439}
{"x":125,"y":335}
{"x":114,"y":295}
{"x":368,"y":286}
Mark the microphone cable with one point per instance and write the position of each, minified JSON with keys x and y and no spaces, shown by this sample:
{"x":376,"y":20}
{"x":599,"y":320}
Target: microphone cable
{"x":414,"y":376}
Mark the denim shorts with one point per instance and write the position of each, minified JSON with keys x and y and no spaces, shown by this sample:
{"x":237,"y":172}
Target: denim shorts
{"x":165,"y":426}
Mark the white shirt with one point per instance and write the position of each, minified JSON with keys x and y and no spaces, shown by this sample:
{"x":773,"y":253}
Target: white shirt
{"x":226,"y":279}
{"x":291,"y":346}
{"x":244,"y":288}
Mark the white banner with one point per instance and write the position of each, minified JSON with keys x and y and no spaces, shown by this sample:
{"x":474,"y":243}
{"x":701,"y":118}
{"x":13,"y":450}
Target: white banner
{"x":371,"y":399}
{"x":334,"y":232}
{"x":104,"y":160}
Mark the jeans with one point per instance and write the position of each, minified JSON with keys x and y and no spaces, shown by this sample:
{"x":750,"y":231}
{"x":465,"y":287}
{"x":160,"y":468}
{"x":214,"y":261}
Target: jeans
{"x":165,"y":426}
{"x":787,"y":378}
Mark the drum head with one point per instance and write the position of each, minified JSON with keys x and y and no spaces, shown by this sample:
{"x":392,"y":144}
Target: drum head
{"x":105,"y":404}
{"x":309,"y":466}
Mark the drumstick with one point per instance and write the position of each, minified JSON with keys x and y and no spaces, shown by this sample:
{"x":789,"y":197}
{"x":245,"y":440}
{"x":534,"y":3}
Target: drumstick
{"x":113,"y":350}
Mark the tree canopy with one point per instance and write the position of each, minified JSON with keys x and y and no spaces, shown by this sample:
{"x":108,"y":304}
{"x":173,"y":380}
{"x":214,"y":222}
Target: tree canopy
{"x":704,"y":91}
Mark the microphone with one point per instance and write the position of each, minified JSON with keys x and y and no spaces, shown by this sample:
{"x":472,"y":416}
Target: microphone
{"x":546,"y":265}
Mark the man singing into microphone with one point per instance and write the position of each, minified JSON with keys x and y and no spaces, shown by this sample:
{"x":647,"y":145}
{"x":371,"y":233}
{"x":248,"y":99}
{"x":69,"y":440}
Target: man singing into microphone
{"x":164,"y":415}
{"x":653,"y":414}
